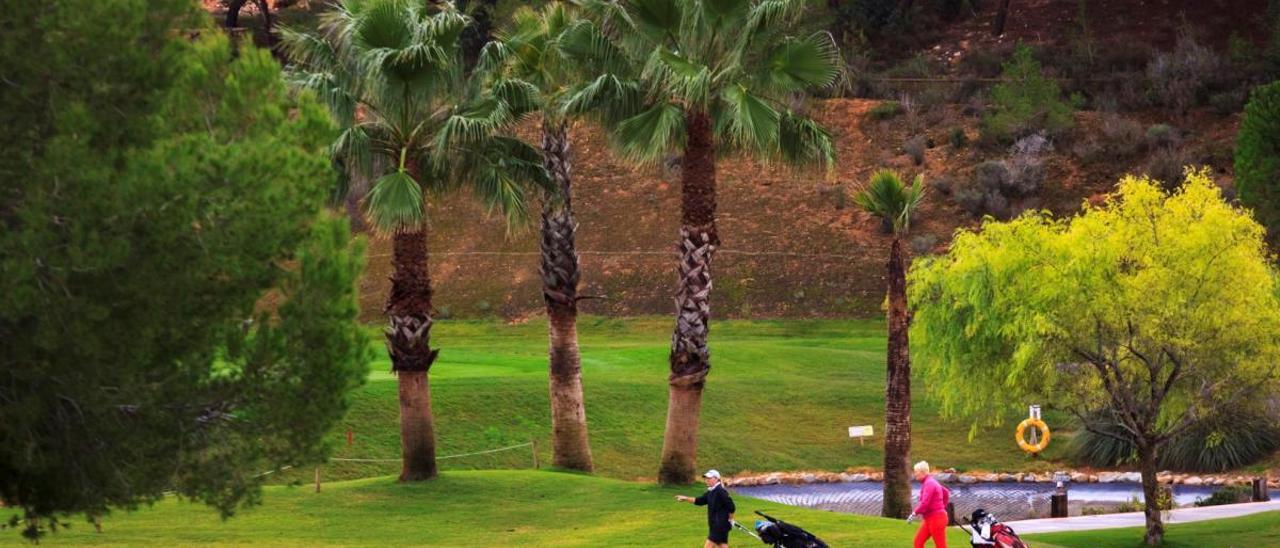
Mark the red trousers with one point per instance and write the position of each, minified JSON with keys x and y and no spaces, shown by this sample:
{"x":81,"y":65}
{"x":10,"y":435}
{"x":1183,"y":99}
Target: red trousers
{"x":935,"y":525}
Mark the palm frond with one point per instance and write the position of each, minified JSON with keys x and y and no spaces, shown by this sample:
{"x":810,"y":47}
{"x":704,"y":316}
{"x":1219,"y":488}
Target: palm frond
{"x":770,"y":15}
{"x":395,"y":202}
{"x":726,"y":10}
{"x":493,"y":56}
{"x":353,"y":149}
{"x":802,"y":140}
{"x":749,"y":120}
{"x":607,"y":96}
{"x":503,"y":171}
{"x":443,"y":27}
{"x":471,"y":123}
{"x":658,"y":18}
{"x":669,"y":74}
{"x":885,"y":196}
{"x":803,"y":63}
{"x":586,"y":45}
{"x":520,"y":97}
{"x":648,"y":136}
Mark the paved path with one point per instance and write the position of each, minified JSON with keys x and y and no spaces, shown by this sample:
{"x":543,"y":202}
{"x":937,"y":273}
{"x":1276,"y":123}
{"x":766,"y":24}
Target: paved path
{"x":1136,"y":519}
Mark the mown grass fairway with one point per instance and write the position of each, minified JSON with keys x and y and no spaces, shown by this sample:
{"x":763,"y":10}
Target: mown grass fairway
{"x":526,"y":508}
{"x":780,"y":396}
{"x":482,"y":508}
{"x":1244,"y":532}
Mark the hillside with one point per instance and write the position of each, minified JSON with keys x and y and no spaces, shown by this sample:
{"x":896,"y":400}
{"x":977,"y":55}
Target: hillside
{"x":794,"y":243}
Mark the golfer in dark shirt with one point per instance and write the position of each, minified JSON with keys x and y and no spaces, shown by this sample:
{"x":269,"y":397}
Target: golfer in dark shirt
{"x":720,"y":510}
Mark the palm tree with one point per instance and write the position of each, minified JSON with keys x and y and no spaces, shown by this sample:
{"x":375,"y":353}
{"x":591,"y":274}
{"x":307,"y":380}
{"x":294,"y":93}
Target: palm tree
{"x":530,"y":51}
{"x":391,"y":73}
{"x":886,"y":197}
{"x":705,"y":78}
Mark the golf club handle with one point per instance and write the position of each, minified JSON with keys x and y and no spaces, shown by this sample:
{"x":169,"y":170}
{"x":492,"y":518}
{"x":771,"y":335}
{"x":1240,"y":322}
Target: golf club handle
{"x":745,"y":530}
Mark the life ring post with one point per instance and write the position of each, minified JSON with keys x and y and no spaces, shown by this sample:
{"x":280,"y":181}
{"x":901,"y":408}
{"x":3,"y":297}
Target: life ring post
{"x":1038,"y":442}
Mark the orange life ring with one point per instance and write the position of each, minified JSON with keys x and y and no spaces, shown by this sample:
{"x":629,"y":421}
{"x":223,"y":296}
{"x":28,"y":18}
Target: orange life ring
{"x":1032,"y":448}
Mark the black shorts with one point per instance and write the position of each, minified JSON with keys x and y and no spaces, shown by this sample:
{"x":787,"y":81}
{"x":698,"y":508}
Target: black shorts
{"x":719,"y":535}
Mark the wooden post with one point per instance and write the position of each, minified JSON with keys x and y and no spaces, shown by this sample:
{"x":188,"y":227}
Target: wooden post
{"x":535,"y":454}
{"x":1260,"y":490}
{"x":317,"y":479}
{"x":1058,"y":505}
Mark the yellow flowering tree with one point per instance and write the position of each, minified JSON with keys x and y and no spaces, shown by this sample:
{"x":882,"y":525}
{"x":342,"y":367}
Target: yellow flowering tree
{"x":1152,"y":311}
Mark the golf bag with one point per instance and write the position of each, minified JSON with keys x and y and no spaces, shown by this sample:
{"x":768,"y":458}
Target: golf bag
{"x":780,"y":534}
{"x":988,"y":532}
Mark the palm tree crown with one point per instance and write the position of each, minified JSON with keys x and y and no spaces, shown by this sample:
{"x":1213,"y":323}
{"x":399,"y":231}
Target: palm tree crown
{"x":888,"y":198}
{"x":392,"y":74}
{"x":733,"y":60}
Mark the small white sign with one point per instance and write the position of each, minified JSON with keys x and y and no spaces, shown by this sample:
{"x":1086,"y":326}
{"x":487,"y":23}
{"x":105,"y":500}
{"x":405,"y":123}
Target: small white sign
{"x":860,"y":432}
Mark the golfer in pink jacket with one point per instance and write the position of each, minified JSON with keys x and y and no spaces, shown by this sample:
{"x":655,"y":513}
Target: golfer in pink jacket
{"x":932,"y":509}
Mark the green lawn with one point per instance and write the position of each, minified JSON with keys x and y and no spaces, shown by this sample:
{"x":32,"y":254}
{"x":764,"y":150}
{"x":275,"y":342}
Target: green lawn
{"x":481,"y":508}
{"x":1253,"y":531}
{"x":528,"y":508}
{"x":780,"y":396}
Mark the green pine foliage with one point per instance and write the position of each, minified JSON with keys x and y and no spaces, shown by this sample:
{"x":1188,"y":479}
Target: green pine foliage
{"x":177,"y":315}
{"x":1026,"y":101}
{"x":1257,"y":157}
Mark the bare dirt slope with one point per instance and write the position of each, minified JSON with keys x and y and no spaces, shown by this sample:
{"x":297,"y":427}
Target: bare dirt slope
{"x":795,"y":245}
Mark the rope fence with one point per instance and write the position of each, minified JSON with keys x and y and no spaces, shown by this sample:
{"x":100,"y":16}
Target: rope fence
{"x":533,"y":444}
{"x":485,"y":452}
{"x":671,"y":253}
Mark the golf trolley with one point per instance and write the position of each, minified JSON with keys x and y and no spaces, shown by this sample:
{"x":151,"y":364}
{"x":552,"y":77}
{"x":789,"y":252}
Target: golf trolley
{"x":780,"y":534}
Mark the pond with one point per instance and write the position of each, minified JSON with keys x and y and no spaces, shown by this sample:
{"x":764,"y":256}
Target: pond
{"x":1008,"y":501}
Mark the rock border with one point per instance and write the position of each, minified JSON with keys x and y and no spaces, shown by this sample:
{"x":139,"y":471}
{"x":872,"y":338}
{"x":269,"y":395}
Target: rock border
{"x":951,"y":476}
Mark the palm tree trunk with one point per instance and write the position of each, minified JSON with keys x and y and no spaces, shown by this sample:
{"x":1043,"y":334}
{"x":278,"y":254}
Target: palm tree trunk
{"x":233,"y":13}
{"x":1150,"y":485}
{"x":897,"y":405}
{"x":569,"y":441}
{"x":409,"y":344}
{"x":689,"y":358}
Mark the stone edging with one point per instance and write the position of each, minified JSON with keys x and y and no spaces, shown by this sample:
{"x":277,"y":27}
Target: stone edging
{"x":951,"y":476}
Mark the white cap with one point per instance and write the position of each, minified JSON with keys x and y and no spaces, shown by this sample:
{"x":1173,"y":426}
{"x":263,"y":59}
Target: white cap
{"x":712,"y":473}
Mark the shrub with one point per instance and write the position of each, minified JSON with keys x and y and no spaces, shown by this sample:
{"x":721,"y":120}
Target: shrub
{"x":1027,"y":101}
{"x":942,"y":185}
{"x":982,"y":63}
{"x":1227,"y":102}
{"x":923,"y":244}
{"x":958,"y":138}
{"x":1132,"y":505}
{"x":920,"y":66}
{"x":1124,"y":137}
{"x":915,"y":147}
{"x":1221,"y":443}
{"x":1240,"y":50}
{"x":984,"y":194}
{"x":1164,"y":501}
{"x":1231,"y":494}
{"x":1088,"y":151}
{"x":1257,"y":156}
{"x":862,"y":14}
{"x":1168,"y":165}
{"x":1161,"y":135}
{"x":885,"y":110}
{"x":1026,"y":173}
{"x":1180,"y":77}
